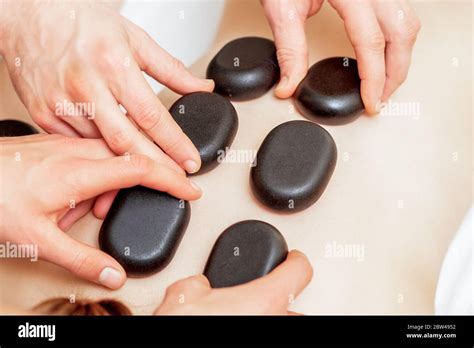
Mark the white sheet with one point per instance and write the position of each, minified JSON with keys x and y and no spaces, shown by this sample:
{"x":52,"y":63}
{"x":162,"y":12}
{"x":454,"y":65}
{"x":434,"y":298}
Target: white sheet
{"x":454,"y":294}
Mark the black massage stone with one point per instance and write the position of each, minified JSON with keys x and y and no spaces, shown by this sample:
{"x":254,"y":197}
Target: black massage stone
{"x":245,"y":68}
{"x":15,"y":128}
{"x":210,"y":121}
{"x":330,"y":92}
{"x":245,"y":251}
{"x":293,"y":166}
{"x":143,"y":229}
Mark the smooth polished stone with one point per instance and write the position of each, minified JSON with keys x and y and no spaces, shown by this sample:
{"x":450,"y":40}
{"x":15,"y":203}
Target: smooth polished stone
{"x":15,"y":128}
{"x":245,"y":251}
{"x":143,"y":229}
{"x":210,"y":121}
{"x":330,"y":92}
{"x":293,"y":166}
{"x":245,"y":68}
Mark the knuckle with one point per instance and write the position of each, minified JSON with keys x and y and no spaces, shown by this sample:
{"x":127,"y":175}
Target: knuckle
{"x":178,"y":287}
{"x":184,"y":286}
{"x":74,"y":181}
{"x":141,"y":163}
{"x":406,"y":33}
{"x":374,"y":42}
{"x":53,"y":99}
{"x":289,"y":54}
{"x":78,"y":86}
{"x":39,"y":112}
{"x":176,"y":66}
{"x":110,"y":64}
{"x":106,"y":57}
{"x":194,"y":284}
{"x":173,"y":144}
{"x":79,"y":262}
{"x":398,"y":77}
{"x":148,"y":116}
{"x":119,"y":141}
{"x":415,"y":24}
{"x":412,"y":29}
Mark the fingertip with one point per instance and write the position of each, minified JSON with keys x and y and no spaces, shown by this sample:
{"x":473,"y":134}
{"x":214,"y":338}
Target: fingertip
{"x":389,"y":89}
{"x":103,"y":204}
{"x":283,"y":90}
{"x":372,"y":100}
{"x":299,"y":257}
{"x":191,"y":166}
{"x":209,"y":85}
{"x":197,"y":189}
{"x":198,"y":85}
{"x":372,"y":108}
{"x":201,"y":278}
{"x":112,"y":277}
{"x":297,"y":254}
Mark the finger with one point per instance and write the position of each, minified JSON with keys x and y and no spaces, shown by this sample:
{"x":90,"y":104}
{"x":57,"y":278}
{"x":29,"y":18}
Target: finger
{"x":52,"y":124}
{"x":41,"y":113}
{"x":400,"y":26}
{"x":91,"y":148}
{"x":121,"y":135}
{"x":183,"y":292}
{"x":160,"y":65}
{"x":368,"y":40}
{"x":280,"y":287}
{"x":103,"y":204}
{"x":93,"y":177}
{"x":291,"y":313}
{"x":80,"y":259}
{"x":287,"y":25}
{"x":76,"y":114}
{"x":152,"y":117}
{"x":75,"y":214}
{"x":190,"y":284}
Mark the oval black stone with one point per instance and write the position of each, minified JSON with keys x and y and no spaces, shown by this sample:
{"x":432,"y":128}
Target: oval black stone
{"x":245,"y":251}
{"x":330,"y":92}
{"x":143,"y":229}
{"x":293,"y":166}
{"x":15,"y":128}
{"x":210,"y":121}
{"x":245,"y":68}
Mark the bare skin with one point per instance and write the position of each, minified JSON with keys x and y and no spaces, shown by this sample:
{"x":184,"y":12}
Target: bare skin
{"x":53,"y":180}
{"x":271,"y":294}
{"x":84,"y":52}
{"x":383,"y":34}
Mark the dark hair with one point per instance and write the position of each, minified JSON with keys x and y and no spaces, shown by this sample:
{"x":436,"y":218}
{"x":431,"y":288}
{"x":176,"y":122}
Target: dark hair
{"x":63,"y":306}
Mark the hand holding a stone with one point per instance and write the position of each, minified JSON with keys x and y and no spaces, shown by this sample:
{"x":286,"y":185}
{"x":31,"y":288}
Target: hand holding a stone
{"x":50,"y":181}
{"x":383,"y":34}
{"x":74,"y":63}
{"x":271,"y":294}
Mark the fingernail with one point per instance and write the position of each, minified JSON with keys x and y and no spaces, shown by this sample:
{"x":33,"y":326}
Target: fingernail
{"x":111,"y":278}
{"x":195,"y":186}
{"x":191,"y":166}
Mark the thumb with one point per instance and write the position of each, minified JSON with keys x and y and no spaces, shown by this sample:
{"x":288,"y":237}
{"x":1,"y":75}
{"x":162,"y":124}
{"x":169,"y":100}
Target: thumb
{"x":290,"y":39}
{"x":80,"y":259}
{"x":275,"y":292}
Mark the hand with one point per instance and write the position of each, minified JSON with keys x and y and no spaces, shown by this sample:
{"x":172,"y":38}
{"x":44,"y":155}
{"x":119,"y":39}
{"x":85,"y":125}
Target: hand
{"x":271,"y":294}
{"x":383,"y":34}
{"x":42,"y":176}
{"x":81,"y":54}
